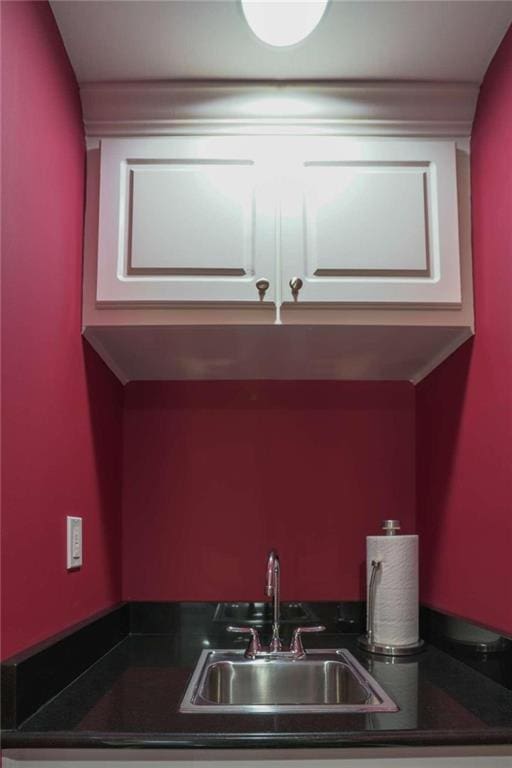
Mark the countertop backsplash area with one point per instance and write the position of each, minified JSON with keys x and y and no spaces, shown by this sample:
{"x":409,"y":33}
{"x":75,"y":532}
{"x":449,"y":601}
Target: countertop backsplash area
{"x":115,"y":672}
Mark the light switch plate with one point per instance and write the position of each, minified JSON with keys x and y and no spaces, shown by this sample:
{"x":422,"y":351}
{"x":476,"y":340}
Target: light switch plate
{"x":74,"y":542}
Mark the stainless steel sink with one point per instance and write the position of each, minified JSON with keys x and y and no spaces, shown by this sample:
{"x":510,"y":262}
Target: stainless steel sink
{"x":324,"y":681}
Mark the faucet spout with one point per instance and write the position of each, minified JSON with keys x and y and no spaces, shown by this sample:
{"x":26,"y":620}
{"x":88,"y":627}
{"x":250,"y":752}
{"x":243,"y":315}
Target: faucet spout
{"x":275,"y":647}
{"x":269,"y":584}
{"x":272,"y":590}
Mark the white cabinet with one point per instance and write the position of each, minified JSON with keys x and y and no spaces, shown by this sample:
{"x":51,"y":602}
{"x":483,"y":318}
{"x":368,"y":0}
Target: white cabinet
{"x":229,"y":219}
{"x":192,"y":241}
{"x":372,"y":222}
{"x":185,"y":220}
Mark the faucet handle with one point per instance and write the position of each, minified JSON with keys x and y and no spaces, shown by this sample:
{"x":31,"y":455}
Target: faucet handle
{"x":296,"y":647}
{"x":255,"y":644}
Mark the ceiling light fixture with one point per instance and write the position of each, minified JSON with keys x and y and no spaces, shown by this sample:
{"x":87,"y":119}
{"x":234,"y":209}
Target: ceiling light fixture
{"x":283,"y":22}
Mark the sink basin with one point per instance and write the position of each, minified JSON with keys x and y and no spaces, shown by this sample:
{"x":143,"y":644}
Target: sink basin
{"x":259,"y":613}
{"x":325,"y":681}
{"x":282,"y":683}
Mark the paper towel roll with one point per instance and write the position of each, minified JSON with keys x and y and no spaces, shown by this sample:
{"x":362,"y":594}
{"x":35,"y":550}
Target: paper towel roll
{"x":396,"y":588}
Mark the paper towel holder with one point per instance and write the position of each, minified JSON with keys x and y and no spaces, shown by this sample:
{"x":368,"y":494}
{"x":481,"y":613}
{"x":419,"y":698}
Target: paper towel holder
{"x":366,"y":642}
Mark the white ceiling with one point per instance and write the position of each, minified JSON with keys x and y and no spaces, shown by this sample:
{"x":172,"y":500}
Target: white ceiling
{"x":209,"y":39}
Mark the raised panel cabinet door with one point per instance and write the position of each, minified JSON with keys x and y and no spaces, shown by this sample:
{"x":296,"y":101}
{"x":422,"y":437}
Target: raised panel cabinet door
{"x":371,"y":222}
{"x":184,"y":220}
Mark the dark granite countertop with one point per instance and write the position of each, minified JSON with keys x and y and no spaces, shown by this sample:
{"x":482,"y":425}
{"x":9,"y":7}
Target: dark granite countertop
{"x":131,"y":697}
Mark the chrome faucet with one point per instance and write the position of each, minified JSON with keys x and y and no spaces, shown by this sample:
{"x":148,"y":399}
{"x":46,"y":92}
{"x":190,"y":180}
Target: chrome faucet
{"x":255,"y":649}
{"x":272,"y":590}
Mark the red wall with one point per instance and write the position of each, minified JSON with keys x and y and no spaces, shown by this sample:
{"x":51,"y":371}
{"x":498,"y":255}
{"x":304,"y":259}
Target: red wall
{"x":62,"y":414}
{"x":464,"y":408}
{"x":217,"y":473}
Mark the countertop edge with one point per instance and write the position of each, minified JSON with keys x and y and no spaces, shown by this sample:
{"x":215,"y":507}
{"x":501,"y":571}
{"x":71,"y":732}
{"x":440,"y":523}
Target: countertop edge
{"x":17,"y":739}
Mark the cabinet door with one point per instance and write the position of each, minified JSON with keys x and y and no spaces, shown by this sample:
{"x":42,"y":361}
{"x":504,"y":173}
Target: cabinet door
{"x":371,"y":222}
{"x":185,"y":220}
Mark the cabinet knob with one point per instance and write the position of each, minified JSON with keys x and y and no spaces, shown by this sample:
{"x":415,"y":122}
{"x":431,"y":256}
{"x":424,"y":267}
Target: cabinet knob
{"x":295,"y":284}
{"x":262,"y":286}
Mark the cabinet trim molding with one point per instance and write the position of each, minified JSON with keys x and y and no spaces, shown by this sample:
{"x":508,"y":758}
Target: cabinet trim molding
{"x":343,"y":108}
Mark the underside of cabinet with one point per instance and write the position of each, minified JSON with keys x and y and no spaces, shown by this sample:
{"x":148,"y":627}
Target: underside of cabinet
{"x":344,"y":352}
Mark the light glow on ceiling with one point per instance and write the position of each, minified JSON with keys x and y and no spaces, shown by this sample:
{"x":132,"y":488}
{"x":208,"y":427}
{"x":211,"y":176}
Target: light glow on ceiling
{"x":283,"y":22}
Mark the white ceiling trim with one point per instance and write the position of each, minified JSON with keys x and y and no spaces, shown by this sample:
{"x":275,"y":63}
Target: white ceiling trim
{"x":363,"y":108}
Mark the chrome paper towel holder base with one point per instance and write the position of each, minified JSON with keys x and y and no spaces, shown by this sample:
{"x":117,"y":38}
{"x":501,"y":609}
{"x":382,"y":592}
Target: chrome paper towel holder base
{"x":389,"y":650}
{"x":366,"y":642}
